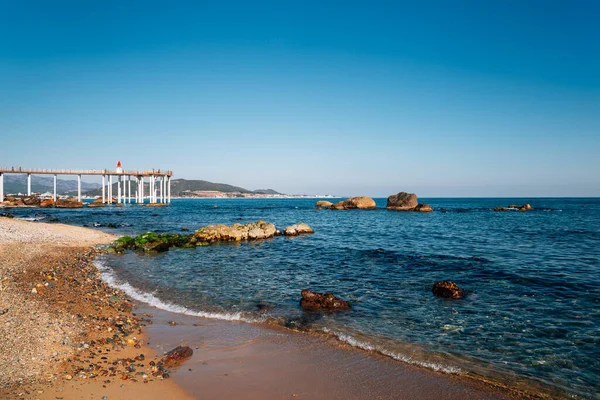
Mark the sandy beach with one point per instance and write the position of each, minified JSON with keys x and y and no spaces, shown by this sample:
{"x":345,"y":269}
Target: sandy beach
{"x":69,"y":335}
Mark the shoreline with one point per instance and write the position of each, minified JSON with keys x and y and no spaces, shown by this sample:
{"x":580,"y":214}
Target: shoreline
{"x":65,"y":333}
{"x":257,"y":350}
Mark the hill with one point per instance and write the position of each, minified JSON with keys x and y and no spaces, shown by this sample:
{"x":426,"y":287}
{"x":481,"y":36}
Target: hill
{"x":41,"y":184}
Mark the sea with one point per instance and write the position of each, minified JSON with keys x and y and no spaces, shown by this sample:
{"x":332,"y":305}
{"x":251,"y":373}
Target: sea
{"x":530,"y":316}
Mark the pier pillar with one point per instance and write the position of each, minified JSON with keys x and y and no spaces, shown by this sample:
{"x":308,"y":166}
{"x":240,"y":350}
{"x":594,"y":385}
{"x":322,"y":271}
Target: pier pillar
{"x":119,"y":179}
{"x":169,"y":188}
{"x":160,"y":189}
{"x":54,"y":188}
{"x":152,"y":189}
{"x":110,"y":189}
{"x":141,"y":190}
{"x":129,"y":189}
{"x":28,"y":184}
{"x":79,"y":187}
{"x":1,"y":187}
{"x":103,"y":188}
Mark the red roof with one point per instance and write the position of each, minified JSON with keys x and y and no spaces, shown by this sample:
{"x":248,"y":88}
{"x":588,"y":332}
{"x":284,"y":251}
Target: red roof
{"x":119,"y":164}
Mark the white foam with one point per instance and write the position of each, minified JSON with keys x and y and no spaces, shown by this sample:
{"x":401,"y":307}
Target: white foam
{"x":396,"y":356}
{"x":108,"y":276}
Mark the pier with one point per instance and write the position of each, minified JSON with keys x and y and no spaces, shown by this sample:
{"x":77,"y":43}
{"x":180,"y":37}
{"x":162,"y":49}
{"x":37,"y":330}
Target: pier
{"x":159,"y":183}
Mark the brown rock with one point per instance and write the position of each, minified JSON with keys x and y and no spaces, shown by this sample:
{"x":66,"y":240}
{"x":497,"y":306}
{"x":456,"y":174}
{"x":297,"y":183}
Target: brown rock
{"x":31,"y":201}
{"x":68,"y":203}
{"x":423,"y":208}
{"x":447,"y":290}
{"x":314,"y":301}
{"x":176,"y":356}
{"x":362,"y":202}
{"x":298,"y":229}
{"x":402,"y":201}
{"x":235,"y":232}
{"x":96,"y":204}
{"x":323,"y":203}
{"x":47,"y":203}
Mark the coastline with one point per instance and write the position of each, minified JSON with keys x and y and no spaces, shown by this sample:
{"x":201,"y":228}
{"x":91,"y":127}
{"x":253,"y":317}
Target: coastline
{"x":231,"y":359}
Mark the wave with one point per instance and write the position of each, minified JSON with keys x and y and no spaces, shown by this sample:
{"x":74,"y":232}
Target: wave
{"x":107,"y":275}
{"x":345,"y":338}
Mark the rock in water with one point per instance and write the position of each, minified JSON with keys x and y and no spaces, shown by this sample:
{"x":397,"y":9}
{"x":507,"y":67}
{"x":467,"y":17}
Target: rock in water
{"x":298,"y":229}
{"x":235,"y":232}
{"x":176,"y":356}
{"x":323,"y":203}
{"x":362,"y":202}
{"x":402,"y":201}
{"x":447,"y":290}
{"x":314,"y":301}
{"x":423,"y":208}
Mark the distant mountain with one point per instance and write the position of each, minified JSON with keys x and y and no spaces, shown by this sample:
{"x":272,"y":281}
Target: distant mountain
{"x":44,"y":183}
{"x":265,"y":191}
{"x":183,"y":187}
{"x":179,"y":186}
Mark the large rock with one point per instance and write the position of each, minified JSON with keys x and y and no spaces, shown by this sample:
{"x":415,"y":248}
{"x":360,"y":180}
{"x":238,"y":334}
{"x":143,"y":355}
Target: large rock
{"x":235,"y":232}
{"x":68,"y":203}
{"x":362,"y":202}
{"x":447,"y":290}
{"x":314,"y":301}
{"x":176,"y":356}
{"x":96,"y":204}
{"x":423,"y":208}
{"x":323,"y":203}
{"x":402,"y":201}
{"x":298,"y":229}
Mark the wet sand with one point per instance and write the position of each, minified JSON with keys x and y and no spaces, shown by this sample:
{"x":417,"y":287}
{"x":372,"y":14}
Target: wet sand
{"x":245,"y":361}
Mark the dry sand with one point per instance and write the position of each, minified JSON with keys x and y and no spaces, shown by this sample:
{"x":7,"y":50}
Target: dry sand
{"x":58,"y":320}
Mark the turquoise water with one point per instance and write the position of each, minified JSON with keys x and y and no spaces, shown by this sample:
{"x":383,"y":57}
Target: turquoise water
{"x":532,"y":280}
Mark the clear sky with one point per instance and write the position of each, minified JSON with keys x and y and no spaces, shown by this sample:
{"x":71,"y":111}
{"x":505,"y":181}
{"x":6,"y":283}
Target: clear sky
{"x":442,"y":98}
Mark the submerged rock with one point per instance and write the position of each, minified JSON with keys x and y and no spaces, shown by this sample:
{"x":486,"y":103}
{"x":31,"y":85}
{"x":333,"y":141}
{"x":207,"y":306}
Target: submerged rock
{"x":447,"y":290}
{"x":176,"y":356}
{"x":514,"y":207}
{"x":402,"y":202}
{"x":362,"y":202}
{"x":314,"y":301}
{"x":298,"y":229}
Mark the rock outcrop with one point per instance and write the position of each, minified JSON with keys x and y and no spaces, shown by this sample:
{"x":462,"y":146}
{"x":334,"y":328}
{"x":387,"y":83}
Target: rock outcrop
{"x":298,"y":229}
{"x":176,"y":356}
{"x":447,"y":290}
{"x":235,"y":232}
{"x":323,"y":204}
{"x":402,"y":201}
{"x":363,"y":203}
{"x":314,"y":301}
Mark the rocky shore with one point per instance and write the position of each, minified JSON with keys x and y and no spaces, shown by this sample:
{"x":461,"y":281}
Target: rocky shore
{"x":65,"y":333}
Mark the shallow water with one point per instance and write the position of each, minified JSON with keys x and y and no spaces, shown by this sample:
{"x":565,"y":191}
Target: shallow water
{"x":532,"y":280}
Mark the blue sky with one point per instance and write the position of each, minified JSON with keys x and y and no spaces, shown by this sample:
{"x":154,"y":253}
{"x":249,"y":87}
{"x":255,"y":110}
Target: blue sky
{"x":441,"y":98}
